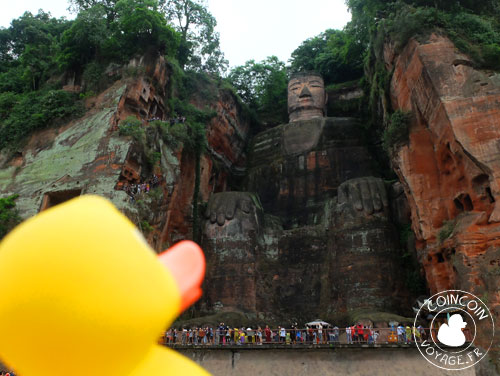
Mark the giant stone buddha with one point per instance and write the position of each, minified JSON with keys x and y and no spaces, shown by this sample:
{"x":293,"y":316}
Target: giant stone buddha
{"x":311,"y":235}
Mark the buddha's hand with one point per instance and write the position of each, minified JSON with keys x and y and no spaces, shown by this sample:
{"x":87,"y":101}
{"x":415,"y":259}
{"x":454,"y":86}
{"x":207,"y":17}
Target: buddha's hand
{"x":226,"y":205}
{"x":367,"y":194}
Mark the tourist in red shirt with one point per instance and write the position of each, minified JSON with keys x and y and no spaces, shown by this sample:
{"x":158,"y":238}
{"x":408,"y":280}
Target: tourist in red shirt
{"x":268,"y":334}
{"x":360,"y":333}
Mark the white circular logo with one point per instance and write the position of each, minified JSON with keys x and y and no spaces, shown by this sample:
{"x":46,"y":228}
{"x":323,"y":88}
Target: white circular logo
{"x":458,"y":319}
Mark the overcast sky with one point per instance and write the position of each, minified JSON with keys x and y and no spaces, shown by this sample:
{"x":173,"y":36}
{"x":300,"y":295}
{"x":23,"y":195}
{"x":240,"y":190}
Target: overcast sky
{"x":249,"y":29}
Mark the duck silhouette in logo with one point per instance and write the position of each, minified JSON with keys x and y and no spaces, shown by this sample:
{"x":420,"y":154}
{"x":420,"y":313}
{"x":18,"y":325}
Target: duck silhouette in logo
{"x":451,"y":334}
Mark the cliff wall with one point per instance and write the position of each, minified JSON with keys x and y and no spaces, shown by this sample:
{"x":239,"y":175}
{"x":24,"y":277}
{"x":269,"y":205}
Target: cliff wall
{"x":88,"y":156}
{"x":450,"y":166}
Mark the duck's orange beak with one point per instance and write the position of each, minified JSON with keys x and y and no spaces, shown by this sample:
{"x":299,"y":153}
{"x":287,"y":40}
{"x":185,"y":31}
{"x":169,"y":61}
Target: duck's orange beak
{"x":186,"y":262}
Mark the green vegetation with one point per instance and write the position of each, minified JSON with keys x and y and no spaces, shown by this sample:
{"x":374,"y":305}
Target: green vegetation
{"x":21,"y":114}
{"x":410,"y":266}
{"x":199,"y":45}
{"x":472,"y":26}
{"x":146,"y":227}
{"x":446,"y":230}
{"x":39,"y":54}
{"x":263,"y":87}
{"x":477,"y":35}
{"x":132,"y":126}
{"x":107,"y":31}
{"x":9,"y":217}
{"x":335,"y":54}
{"x":405,"y":232}
{"x":194,"y":135}
{"x":397,"y":131}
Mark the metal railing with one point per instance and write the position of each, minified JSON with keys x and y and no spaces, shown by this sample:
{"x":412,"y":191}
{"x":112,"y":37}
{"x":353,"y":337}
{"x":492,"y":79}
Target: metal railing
{"x":305,"y":336}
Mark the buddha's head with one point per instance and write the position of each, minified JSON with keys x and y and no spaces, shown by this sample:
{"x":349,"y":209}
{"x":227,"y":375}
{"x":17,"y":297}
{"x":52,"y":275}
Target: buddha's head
{"x":306,"y":96}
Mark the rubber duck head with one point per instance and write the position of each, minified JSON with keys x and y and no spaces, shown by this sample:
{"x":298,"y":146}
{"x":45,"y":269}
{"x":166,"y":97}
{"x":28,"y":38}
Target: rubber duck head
{"x":82,"y":291}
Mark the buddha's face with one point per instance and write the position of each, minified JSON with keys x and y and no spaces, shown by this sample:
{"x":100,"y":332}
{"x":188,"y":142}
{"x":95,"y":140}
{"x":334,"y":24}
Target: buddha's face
{"x":306,"y":97}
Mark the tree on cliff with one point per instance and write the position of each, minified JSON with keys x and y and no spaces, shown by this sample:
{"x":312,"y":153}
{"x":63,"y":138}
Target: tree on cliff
{"x":335,"y":54}
{"x":199,"y":47}
{"x":109,"y":7}
{"x":116,"y":30}
{"x":263,"y":87}
{"x":472,"y":25}
{"x":29,"y":49}
{"x":9,"y":217}
{"x":373,"y":7}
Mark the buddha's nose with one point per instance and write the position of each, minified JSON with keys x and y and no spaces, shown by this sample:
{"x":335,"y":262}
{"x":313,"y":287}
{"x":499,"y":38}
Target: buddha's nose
{"x":305,"y":92}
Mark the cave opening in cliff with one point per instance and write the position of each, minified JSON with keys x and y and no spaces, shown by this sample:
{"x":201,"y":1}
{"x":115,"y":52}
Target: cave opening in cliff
{"x":463,"y":202}
{"x":481,"y":186}
{"x":490,"y":195}
{"x":458,"y":205}
{"x":467,"y":202}
{"x":51,"y":199}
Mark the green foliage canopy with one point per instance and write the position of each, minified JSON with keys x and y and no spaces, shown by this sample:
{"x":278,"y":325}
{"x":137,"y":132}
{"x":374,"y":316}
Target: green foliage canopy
{"x":199,"y":46}
{"x":472,"y":25}
{"x":9,"y":216}
{"x":29,"y":49}
{"x":263,"y":87}
{"x":21,"y":114}
{"x":136,"y":26}
{"x":397,"y":131}
{"x":335,"y":54}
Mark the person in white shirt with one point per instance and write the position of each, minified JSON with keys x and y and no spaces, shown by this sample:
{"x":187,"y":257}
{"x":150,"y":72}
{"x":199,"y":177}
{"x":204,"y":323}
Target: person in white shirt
{"x":348,"y":332}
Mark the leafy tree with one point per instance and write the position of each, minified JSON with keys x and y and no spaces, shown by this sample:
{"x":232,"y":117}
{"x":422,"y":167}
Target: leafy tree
{"x":39,"y":29}
{"x":7,"y":101}
{"x":335,"y":54}
{"x":84,"y":40}
{"x":33,"y":110}
{"x":5,"y":49}
{"x":32,"y":42}
{"x":9,"y":216}
{"x":109,"y":30}
{"x":263,"y":87}
{"x":12,"y":80}
{"x":199,"y":46}
{"x":108,"y":6}
{"x":141,"y":26}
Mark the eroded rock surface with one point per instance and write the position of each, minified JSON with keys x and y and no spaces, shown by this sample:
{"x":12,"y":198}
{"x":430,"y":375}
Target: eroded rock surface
{"x":89,"y":156}
{"x":450,"y":168}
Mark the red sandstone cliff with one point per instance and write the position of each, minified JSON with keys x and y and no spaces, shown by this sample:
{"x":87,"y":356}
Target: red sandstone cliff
{"x":89,"y":156}
{"x":450,"y":168}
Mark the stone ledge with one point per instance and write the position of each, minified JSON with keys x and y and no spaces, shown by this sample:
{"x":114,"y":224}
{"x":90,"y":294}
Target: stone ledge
{"x":294,"y":347}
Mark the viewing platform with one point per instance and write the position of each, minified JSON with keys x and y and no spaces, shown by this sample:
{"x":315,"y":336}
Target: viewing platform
{"x":319,"y":360}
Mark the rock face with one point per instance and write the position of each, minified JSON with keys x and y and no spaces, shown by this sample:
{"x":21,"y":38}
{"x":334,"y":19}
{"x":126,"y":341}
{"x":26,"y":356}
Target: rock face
{"x":314,"y":238}
{"x":450,"y":168}
{"x":89,"y":156}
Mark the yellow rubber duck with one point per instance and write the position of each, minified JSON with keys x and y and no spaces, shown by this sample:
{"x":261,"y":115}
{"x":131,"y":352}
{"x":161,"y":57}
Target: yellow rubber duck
{"x":81,"y":292}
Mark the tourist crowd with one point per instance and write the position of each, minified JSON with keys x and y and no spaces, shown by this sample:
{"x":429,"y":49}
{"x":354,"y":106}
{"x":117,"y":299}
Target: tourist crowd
{"x":143,"y":187}
{"x":171,"y":121}
{"x":318,"y":334}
